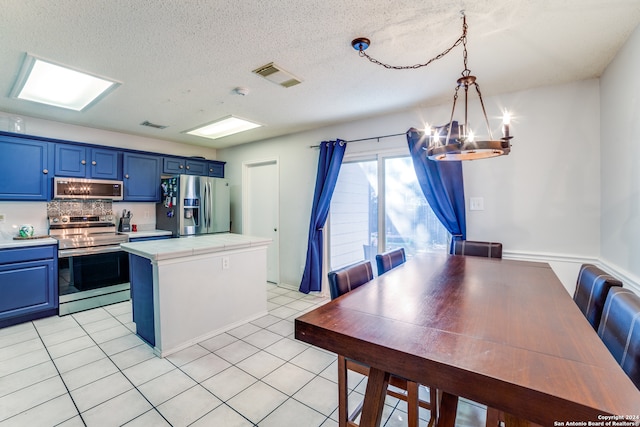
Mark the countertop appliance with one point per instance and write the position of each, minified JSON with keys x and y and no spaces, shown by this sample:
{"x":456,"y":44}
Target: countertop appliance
{"x":79,"y":188}
{"x":193,"y":205}
{"x":92,"y":268}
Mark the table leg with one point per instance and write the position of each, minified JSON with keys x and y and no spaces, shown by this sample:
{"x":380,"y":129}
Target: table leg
{"x":413,"y":408}
{"x":448,"y":410}
{"x":374,"y":398}
{"x":343,"y":407}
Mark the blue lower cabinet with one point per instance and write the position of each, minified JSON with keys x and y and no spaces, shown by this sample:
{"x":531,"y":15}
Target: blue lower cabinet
{"x":141,"y":278}
{"x":28,"y":284}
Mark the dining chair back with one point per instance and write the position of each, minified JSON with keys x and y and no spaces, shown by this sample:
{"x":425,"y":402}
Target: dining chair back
{"x":475,"y":248}
{"x":349,"y":278}
{"x":591,"y":292}
{"x":620,"y":330}
{"x":390,"y":259}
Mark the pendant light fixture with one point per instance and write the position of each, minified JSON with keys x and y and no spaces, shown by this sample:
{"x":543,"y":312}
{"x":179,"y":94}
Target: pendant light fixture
{"x":453,"y":141}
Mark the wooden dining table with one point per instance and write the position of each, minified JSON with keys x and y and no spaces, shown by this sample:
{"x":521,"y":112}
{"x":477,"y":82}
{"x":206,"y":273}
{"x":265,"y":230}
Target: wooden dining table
{"x":503,"y":333}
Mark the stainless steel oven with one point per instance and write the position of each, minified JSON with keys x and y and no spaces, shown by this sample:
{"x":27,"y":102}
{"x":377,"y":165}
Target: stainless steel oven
{"x":92,"y":269}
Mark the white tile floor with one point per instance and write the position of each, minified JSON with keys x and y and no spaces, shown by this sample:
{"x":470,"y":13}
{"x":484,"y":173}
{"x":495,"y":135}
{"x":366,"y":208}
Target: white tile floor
{"x":90,"y":369}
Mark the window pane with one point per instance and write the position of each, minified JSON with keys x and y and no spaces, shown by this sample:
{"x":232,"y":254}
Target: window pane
{"x":354,"y":210}
{"x":409,"y":220}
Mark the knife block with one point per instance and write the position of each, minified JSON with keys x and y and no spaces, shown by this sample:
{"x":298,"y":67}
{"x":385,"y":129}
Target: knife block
{"x":124,"y":225}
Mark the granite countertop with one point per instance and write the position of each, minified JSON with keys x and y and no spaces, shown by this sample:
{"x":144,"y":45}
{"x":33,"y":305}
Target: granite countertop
{"x":157,"y":250}
{"x":10,"y":243}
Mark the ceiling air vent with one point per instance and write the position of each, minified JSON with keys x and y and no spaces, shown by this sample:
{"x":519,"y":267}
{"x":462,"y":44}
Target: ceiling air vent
{"x":276,"y":74}
{"x":153,"y":125}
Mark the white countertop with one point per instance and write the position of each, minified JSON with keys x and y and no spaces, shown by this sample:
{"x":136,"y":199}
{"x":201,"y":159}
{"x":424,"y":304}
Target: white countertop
{"x":157,"y":250}
{"x":9,"y":243}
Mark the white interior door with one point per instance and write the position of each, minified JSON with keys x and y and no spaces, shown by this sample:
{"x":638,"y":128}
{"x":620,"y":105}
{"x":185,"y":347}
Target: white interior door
{"x":261,"y":209}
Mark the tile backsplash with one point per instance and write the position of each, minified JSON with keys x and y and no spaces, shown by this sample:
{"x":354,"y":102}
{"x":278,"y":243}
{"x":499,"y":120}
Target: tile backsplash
{"x":79,"y":207}
{"x":15,"y":214}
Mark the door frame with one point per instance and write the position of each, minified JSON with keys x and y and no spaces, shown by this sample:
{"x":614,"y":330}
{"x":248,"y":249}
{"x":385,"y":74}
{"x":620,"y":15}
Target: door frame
{"x":246,"y":191}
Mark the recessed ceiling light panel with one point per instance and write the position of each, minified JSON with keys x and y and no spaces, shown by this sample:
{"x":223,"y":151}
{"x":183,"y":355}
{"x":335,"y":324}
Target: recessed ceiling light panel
{"x":223,"y":127}
{"x":49,"y":83}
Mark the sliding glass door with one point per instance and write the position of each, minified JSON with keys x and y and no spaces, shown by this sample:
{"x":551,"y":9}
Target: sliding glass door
{"x":378,"y":206}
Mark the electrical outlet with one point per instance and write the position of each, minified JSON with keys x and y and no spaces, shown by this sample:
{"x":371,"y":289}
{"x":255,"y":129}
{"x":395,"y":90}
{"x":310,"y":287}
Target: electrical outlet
{"x":1,"y":217}
{"x":476,"y":204}
{"x":225,"y":262}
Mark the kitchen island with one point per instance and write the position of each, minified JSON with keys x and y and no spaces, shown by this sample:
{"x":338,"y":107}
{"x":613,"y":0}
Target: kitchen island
{"x":186,"y":290}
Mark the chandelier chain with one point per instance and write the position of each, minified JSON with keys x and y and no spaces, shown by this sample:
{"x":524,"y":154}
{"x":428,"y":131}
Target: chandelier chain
{"x":462,"y":39}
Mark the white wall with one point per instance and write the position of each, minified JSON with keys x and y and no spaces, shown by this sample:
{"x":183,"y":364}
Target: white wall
{"x":620,"y":162}
{"x":541,"y":201}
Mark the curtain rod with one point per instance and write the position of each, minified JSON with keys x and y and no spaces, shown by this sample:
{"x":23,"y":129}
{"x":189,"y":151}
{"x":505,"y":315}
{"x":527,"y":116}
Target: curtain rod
{"x":377,"y":138}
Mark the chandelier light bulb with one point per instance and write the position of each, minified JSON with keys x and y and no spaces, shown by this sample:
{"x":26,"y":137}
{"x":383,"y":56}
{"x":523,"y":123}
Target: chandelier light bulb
{"x":506,"y":120}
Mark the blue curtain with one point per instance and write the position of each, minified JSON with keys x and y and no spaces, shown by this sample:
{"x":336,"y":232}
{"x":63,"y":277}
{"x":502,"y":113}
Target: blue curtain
{"x":331,"y":154}
{"x":442,"y":185}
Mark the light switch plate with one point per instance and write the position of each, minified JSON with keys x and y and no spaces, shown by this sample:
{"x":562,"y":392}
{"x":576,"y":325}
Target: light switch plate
{"x":476,"y":204}
{"x":1,"y":217}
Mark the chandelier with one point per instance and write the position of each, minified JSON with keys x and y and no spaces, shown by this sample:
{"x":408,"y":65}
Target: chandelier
{"x":454,"y":141}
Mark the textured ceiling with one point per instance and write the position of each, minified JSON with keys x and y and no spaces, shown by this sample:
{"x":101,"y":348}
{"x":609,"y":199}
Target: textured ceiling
{"x":179,"y":61}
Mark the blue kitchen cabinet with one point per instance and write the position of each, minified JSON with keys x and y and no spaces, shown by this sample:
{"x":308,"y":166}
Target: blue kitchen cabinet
{"x":141,"y":174}
{"x":216,"y":169}
{"x":78,"y":161}
{"x":191,"y":166}
{"x":196,"y":167}
{"x":24,"y":169}
{"x":28,"y":284}
{"x":173,"y":165}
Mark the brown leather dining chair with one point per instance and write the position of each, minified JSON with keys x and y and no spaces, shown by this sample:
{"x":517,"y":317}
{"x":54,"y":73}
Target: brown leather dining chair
{"x":619,"y":330}
{"x":345,"y":280}
{"x":476,"y":248}
{"x":591,"y":292}
{"x":390,"y":259}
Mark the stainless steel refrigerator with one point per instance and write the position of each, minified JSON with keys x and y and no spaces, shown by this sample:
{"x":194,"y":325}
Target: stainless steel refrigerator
{"x":193,"y":205}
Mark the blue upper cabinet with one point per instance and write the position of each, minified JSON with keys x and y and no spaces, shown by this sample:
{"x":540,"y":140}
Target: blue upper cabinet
{"x":173,"y":165}
{"x":216,"y":169}
{"x":196,"y":167}
{"x":24,"y":169}
{"x":191,"y":166}
{"x":86,"y":162}
{"x":141,"y":174}
{"x":105,"y":163}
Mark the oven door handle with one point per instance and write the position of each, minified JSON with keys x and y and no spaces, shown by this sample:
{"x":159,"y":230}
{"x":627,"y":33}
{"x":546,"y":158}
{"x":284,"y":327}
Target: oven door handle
{"x":66,"y":253}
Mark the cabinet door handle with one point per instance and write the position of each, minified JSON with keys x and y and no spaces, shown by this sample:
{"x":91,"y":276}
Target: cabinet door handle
{"x":126,"y":176}
{"x":188,"y":167}
{"x":181,"y":167}
{"x":84,"y":162}
{"x":94,"y":163}
{"x":45,"y":171}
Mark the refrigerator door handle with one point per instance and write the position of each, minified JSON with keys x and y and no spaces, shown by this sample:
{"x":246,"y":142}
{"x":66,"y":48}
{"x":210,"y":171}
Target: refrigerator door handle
{"x":205,"y":206}
{"x":211,"y":207}
{"x":210,"y":201}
